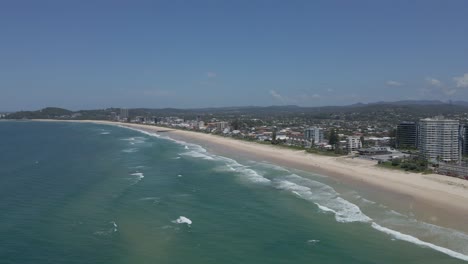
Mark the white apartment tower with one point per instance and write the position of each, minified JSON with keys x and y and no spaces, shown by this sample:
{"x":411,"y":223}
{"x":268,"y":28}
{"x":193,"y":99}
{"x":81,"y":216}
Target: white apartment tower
{"x":314,"y":135}
{"x":439,"y":139}
{"x":353,"y":143}
{"x":220,"y":126}
{"x":123,"y":114}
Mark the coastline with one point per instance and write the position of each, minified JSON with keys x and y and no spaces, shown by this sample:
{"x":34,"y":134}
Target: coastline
{"x":436,"y":199}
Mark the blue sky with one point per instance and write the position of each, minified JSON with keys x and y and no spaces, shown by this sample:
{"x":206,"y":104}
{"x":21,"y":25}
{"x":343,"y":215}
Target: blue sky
{"x":98,"y":54}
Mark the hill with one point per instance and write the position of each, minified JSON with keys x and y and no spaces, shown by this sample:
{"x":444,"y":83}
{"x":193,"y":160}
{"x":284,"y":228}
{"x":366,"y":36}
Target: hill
{"x":379,"y":111}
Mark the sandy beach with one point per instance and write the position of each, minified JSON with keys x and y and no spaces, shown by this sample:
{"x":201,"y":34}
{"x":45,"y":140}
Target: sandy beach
{"x":434,"y":198}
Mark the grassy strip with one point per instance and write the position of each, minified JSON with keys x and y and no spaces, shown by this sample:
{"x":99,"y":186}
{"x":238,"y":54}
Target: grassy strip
{"x":405,"y":166}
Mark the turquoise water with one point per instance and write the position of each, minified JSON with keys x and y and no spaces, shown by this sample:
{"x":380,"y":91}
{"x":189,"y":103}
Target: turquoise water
{"x":85,"y":193}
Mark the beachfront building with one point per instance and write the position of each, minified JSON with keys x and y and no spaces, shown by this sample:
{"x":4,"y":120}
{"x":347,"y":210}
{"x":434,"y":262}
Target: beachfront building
{"x":353,"y":143}
{"x":464,"y":139}
{"x":123,"y":114}
{"x":114,"y":116}
{"x":439,"y":139}
{"x":407,"y":135}
{"x":314,"y":135}
{"x":374,"y":151}
{"x":456,"y":170}
{"x":378,"y":141}
{"x":221,"y":126}
{"x":200,"y":125}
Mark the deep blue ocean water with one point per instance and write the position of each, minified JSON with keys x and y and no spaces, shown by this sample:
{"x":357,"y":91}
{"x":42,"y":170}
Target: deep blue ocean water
{"x":87,"y":193}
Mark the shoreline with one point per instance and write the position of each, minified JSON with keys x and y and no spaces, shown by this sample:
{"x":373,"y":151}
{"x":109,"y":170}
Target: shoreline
{"x":434,"y":198}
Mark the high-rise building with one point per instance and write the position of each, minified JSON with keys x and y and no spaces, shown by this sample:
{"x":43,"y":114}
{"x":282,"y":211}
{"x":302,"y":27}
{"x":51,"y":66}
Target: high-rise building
{"x":314,"y":135}
{"x":123,"y":114}
{"x":464,"y":138}
{"x":353,"y":143}
{"x":439,"y":139}
{"x":113,"y":116}
{"x":407,"y":135}
{"x":220,"y":126}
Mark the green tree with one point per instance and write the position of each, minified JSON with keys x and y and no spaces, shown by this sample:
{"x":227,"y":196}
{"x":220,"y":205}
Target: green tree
{"x":333,"y":138}
{"x":236,"y":124}
{"x":396,"y":162}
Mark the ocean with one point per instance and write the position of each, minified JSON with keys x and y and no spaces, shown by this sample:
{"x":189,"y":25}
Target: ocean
{"x":88,"y":193}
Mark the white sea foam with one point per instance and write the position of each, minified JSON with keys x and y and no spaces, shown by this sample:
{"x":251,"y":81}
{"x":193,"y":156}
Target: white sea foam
{"x":362,"y":199}
{"x":114,"y":225}
{"x":105,"y":133}
{"x":150,"y":199}
{"x":325,"y":209}
{"x":138,"y":177}
{"x":179,"y":175}
{"x":196,"y":154}
{"x":417,"y":241}
{"x":130,"y":150}
{"x":245,"y":171}
{"x":198,"y":148}
{"x":393,"y":212}
{"x":367,"y":201}
{"x":138,"y":174}
{"x":438,"y":235}
{"x":296,"y":193}
{"x":349,"y":212}
{"x":451,"y":234}
{"x":135,"y":140}
{"x":152,"y":134}
{"x":272,"y":166}
{"x":183,"y":220}
{"x":107,"y":232}
{"x":329,"y":201}
{"x":197,"y":151}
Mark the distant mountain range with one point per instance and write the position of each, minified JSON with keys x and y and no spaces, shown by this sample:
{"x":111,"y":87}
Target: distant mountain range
{"x":420,"y":102}
{"x":407,"y":108}
{"x":383,"y":103}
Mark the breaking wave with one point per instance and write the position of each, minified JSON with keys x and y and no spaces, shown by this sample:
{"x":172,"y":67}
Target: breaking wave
{"x":325,"y":197}
{"x":112,"y":227}
{"x":138,"y":176}
{"x":414,"y":240}
{"x":183,"y":220}
{"x":130,"y":150}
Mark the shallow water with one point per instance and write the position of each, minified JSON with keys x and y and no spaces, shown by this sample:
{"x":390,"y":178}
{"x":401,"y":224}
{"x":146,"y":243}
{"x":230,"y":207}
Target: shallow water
{"x":85,"y":193}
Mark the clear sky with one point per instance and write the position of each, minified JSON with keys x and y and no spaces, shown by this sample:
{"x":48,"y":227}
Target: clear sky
{"x":98,"y":54}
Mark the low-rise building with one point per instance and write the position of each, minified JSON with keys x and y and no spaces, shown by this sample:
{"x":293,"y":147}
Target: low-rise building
{"x":374,"y":151}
